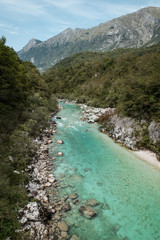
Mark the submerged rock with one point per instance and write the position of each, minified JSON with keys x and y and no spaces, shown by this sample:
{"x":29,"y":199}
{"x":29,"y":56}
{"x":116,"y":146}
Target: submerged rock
{"x":60,"y":142}
{"x":87,"y":169}
{"x":59,"y":154}
{"x":73,"y":195}
{"x":105,"y":206}
{"x":75,"y":201}
{"x":92,"y":202}
{"x":99,"y":183}
{"x":87,"y":212}
{"x":67,"y":207}
{"x":63,"y":226}
{"x":64,"y":234}
{"x":74,"y":237}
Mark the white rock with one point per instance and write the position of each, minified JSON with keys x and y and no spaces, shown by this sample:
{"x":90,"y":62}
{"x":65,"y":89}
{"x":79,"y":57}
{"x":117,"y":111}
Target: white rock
{"x":32,"y":211}
{"x":48,"y":184}
{"x":59,"y":141}
{"x":60,"y":154}
{"x":45,"y":199}
{"x":23,"y":220}
{"x":51,"y":180}
{"x":16,"y":172}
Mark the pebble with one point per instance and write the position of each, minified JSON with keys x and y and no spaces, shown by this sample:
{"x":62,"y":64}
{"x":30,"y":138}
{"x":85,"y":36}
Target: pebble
{"x":60,"y":142}
{"x":59,"y":154}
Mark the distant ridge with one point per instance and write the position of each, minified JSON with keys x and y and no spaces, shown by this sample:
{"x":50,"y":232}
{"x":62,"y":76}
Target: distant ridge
{"x":138,"y":29}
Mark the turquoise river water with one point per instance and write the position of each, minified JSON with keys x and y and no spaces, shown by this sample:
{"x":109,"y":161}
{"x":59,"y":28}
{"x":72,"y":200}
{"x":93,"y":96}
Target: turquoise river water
{"x":93,"y":166}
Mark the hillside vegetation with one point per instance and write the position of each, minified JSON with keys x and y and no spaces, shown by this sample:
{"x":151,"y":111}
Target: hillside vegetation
{"x":126,"y":79}
{"x":25,"y":104}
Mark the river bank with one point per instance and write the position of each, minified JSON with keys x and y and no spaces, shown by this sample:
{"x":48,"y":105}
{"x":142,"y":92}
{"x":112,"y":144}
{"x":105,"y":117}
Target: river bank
{"x":44,"y":215}
{"x":94,"y":167}
{"x":149,"y":157}
{"x":123,"y":131}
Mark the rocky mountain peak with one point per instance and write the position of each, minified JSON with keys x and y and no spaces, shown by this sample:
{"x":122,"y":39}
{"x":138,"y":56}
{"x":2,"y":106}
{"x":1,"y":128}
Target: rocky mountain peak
{"x":134,"y":30}
{"x":32,"y":43}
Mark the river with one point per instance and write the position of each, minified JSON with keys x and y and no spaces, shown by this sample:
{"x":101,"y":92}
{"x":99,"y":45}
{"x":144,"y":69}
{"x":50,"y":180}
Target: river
{"x":94,"y":167}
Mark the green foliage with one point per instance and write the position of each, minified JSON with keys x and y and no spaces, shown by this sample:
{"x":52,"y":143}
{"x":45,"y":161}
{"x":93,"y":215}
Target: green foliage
{"x":126,"y":79}
{"x":25,"y":103}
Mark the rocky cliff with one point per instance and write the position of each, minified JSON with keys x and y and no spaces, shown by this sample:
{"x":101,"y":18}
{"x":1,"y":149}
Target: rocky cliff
{"x":135,"y":30}
{"x":132,"y":133}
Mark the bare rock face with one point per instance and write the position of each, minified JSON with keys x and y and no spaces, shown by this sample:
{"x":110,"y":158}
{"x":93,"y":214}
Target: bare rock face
{"x":123,"y":131}
{"x":130,"y":31}
{"x":154,"y":132}
{"x":31,"y":211}
{"x":130,"y":132}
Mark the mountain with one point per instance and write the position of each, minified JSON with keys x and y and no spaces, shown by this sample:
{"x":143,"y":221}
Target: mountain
{"x":138,"y":29}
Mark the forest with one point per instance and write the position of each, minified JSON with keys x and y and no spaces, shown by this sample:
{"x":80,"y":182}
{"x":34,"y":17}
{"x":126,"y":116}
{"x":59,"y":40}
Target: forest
{"x":126,"y":79}
{"x":25,"y":105}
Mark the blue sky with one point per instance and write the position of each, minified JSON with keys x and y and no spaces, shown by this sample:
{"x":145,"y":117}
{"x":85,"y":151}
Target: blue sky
{"x":21,"y":20}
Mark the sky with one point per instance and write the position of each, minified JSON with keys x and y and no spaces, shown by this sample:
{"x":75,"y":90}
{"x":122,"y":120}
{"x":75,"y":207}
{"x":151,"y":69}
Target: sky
{"x":22,"y":20}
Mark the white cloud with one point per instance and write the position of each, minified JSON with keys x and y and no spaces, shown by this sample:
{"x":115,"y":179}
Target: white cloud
{"x":24,"y":7}
{"x":9,"y":28}
{"x":113,"y":9}
{"x":64,"y":3}
{"x":92,"y":10}
{"x":73,"y":7}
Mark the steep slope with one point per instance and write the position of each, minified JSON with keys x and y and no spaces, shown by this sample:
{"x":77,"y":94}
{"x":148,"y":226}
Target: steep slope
{"x":135,"y":30}
{"x":127,"y":80}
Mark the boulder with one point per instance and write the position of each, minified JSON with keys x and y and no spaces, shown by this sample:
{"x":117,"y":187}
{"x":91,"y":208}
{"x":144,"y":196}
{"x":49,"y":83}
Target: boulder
{"x":31,"y":211}
{"x":51,"y":180}
{"x":60,"y":142}
{"x":75,"y":201}
{"x":87,"y":212}
{"x":63,"y":226}
{"x":48,"y":184}
{"x":59,"y":154}
{"x":73,"y":195}
{"x":67,"y":207}
{"x":92,"y":202}
{"x":64,"y":234}
{"x":74,"y":237}
{"x":23,"y":220}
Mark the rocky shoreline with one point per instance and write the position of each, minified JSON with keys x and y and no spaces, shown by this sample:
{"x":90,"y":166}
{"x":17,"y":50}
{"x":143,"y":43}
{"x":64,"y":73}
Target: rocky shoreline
{"x":36,"y":215}
{"x":126,"y":131}
{"x":44,"y":215}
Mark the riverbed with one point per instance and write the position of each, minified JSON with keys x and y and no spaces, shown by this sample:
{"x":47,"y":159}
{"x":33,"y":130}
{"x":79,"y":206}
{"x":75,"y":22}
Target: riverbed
{"x":94,"y":167}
